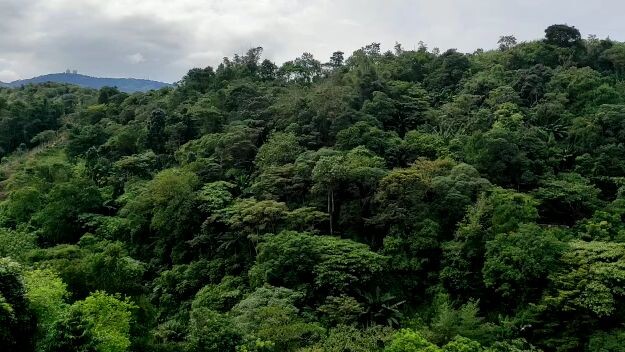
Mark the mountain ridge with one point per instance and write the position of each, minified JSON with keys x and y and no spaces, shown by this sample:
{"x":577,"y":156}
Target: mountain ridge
{"x":128,"y":85}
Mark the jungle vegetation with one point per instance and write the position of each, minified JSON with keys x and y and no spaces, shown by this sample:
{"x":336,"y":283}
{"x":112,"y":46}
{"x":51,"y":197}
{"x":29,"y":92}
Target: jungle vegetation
{"x":409,"y":200}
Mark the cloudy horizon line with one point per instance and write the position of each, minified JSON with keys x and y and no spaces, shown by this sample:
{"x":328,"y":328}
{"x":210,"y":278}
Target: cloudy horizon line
{"x":162,"y":40}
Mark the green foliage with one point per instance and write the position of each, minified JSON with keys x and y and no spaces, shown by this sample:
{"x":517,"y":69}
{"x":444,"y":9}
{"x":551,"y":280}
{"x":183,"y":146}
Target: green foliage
{"x":587,"y":281}
{"x":401,"y":108}
{"x":322,"y":264}
{"x":63,"y":204}
{"x":109,"y":267}
{"x":342,"y":310}
{"x":16,"y":328}
{"x":351,"y":338}
{"x":517,"y":345}
{"x":410,"y":341}
{"x":221,"y":297}
{"x":382,"y":308}
{"x":280,"y":149}
{"x":518,"y":263}
{"x":182,"y":282}
{"x":270,"y":314}
{"x":210,"y":331}
{"x":72,"y":333}
{"x":607,"y":341}
{"x":108,"y":320}
{"x":46,"y":294}
{"x":448,"y":322}
{"x":82,"y":139}
{"x":569,"y":197}
{"x":26,"y":113}
{"x":163,"y":207}
{"x":215,"y":196}
{"x":93,"y":265}
{"x":495,"y":213}
{"x":476,"y":199}
{"x":562,"y":35}
{"x":16,"y":244}
{"x":462,"y":344}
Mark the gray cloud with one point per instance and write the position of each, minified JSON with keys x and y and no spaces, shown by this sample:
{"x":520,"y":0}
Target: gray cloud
{"x":162,"y":39}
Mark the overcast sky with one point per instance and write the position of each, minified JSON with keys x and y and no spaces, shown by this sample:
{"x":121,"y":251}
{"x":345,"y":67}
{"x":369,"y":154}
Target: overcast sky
{"x":162,"y":39}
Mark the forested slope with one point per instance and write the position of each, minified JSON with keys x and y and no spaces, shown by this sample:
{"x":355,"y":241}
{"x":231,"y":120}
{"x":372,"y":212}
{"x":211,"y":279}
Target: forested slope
{"x":386,"y":201}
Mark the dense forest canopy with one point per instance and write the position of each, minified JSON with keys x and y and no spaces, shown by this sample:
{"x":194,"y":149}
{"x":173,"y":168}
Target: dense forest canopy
{"x":410,"y":200}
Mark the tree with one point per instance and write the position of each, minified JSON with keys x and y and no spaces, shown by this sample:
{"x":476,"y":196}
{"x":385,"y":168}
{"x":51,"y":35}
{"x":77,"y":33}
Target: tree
{"x":220,"y":297}
{"x":567,"y":198}
{"x":58,"y":217}
{"x":270,"y":315}
{"x":107,"y":319}
{"x":16,"y":244}
{"x":336,"y":60}
{"x":616,"y":56}
{"x":155,"y":138}
{"x":373,"y":138}
{"x":303,"y":69}
{"x":585,"y":294}
{"x":410,"y":341}
{"x":347,"y":337}
{"x":496,"y":154}
{"x":164,"y":205}
{"x":445,"y":74}
{"x":498,"y":211}
{"x":327,"y":173}
{"x":110,"y":94}
{"x":506,"y":42}
{"x":341,"y":310}
{"x":606,"y":341}
{"x":46,"y":294}
{"x":381,"y":308}
{"x":71,"y":333}
{"x":16,"y":330}
{"x":81,"y":139}
{"x":280,"y":149}
{"x":210,"y":331}
{"x":518,"y":264}
{"x":249,"y":219}
{"x":198,"y":79}
{"x":323,"y":264}
{"x":401,"y":107}
{"x":358,"y":167}
{"x":588,"y":279}
{"x":532,"y":84}
{"x":268,"y":70}
{"x":462,"y":344}
{"x":562,"y":35}
{"x":109,"y":267}
{"x":580,"y":86}
{"x":448,"y":322}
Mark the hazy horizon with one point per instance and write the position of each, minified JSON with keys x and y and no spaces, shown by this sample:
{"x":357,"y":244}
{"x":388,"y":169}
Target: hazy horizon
{"x":83,"y":74}
{"x":161,"y":40}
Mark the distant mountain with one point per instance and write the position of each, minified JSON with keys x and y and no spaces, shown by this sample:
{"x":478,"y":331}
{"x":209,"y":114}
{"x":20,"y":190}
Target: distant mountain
{"x":128,"y":85}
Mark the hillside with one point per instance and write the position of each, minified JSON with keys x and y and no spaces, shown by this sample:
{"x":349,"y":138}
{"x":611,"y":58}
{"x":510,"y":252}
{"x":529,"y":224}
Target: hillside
{"x":409,"y":200}
{"x":128,"y":85}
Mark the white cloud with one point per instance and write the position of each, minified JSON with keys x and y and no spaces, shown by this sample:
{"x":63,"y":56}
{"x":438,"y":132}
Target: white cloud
{"x":110,"y":38}
{"x":8,"y":76}
{"x":136,"y":58}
